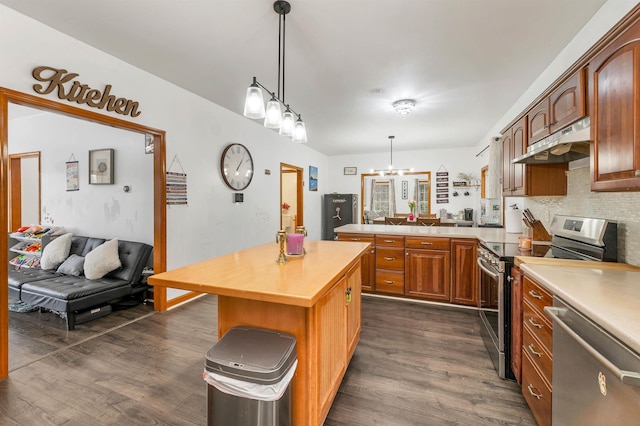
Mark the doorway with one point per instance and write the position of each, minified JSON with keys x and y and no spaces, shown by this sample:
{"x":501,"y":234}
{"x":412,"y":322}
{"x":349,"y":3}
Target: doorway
{"x":291,"y":198}
{"x":24,"y":189}
{"x":159,"y":194}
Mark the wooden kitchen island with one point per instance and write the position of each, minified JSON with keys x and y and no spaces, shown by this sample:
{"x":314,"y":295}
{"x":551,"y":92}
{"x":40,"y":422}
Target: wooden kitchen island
{"x":316,"y":297}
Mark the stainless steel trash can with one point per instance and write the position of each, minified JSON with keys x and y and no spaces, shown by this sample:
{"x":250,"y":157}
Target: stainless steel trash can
{"x":248,"y":374}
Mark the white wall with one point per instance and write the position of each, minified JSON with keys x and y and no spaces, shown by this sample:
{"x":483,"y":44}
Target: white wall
{"x":197,"y":132}
{"x":104,"y":211}
{"x":454,"y":161}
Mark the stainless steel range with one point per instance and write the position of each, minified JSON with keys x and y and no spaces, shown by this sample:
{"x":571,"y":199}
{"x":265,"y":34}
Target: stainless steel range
{"x":573,"y":237}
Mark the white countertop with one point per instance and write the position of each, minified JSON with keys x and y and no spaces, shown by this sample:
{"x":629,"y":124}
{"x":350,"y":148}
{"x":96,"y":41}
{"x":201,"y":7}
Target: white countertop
{"x":494,"y":235}
{"x":610,"y":298}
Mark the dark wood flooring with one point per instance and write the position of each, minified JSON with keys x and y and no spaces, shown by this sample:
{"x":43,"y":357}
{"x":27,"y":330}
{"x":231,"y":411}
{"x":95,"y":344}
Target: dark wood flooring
{"x":416,"y":364}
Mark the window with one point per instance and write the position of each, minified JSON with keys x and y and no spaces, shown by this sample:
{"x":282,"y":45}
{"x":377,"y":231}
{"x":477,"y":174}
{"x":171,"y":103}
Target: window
{"x":423,"y":197}
{"x":381,"y":197}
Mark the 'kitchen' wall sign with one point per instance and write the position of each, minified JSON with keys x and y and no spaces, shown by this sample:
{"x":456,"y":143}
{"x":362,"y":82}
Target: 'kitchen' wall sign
{"x":81,"y":93}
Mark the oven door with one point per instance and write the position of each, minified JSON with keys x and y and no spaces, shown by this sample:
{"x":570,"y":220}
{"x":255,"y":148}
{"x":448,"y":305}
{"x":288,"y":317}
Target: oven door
{"x":492,"y":313}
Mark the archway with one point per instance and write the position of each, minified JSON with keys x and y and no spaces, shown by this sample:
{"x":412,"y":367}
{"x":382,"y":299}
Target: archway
{"x":159,"y":199}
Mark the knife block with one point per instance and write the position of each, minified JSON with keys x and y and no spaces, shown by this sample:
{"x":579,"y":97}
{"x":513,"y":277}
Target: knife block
{"x":538,"y":231}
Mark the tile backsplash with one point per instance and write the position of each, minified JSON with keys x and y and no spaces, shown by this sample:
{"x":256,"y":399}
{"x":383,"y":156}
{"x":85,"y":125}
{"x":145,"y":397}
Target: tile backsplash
{"x":624,"y":207}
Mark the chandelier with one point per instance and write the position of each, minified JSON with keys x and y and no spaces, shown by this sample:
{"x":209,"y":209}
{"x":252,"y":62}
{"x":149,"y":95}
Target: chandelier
{"x":391,"y":170}
{"x":290,"y":122}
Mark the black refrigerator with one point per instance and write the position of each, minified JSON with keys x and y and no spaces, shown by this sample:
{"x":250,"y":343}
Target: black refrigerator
{"x":338,"y":210}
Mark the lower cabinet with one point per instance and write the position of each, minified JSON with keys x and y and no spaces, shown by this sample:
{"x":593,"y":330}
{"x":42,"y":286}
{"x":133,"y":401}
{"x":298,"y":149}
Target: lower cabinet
{"x":439,"y":269}
{"x":427,"y":268}
{"x":338,"y":330}
{"x":537,"y":346}
{"x":516,"y":323}
{"x":464,"y":270}
{"x":368,"y":259}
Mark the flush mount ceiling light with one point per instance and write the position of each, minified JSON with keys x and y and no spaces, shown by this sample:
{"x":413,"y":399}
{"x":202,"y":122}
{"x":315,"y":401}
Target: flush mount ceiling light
{"x":391,"y":170}
{"x":289,"y":123}
{"x":404,"y":106}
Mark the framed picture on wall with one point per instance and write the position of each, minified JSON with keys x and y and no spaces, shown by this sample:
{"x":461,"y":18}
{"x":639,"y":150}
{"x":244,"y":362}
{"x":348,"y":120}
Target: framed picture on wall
{"x":313,"y":178}
{"x":101,"y":167}
{"x":72,"y":176}
{"x":350,"y":170}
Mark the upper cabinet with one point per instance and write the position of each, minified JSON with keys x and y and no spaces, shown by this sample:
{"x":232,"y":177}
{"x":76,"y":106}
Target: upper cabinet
{"x":614,"y":99}
{"x":538,"y":119}
{"x":528,"y":179}
{"x":567,"y":103}
{"x":563,"y":106}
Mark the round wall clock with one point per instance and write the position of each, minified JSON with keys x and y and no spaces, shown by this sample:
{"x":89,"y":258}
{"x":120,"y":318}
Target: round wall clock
{"x":236,"y":166}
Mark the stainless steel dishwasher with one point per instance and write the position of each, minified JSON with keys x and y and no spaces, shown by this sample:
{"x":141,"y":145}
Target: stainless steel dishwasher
{"x":596,"y":379}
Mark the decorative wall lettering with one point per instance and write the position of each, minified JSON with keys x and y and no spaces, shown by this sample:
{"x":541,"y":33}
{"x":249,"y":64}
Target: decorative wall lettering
{"x":81,"y":93}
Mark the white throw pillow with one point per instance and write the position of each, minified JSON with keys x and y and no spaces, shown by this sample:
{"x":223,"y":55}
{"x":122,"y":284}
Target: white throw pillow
{"x":102,"y":260}
{"x":56,"y":252}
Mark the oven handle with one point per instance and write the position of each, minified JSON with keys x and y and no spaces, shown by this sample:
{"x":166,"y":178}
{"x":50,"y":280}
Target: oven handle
{"x":631,"y":378}
{"x":485,"y":269}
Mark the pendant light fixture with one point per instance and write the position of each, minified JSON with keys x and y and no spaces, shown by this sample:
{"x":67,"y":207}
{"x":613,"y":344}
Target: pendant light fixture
{"x":273,"y":116}
{"x":391,"y":170}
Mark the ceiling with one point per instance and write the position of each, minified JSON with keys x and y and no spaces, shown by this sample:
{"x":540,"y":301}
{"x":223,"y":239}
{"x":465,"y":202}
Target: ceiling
{"x":465,"y":62}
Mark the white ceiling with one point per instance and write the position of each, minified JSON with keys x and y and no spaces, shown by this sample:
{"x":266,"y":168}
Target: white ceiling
{"x":465,"y":62}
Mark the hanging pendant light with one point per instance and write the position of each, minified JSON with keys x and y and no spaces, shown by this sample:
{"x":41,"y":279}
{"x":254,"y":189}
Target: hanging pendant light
{"x":391,"y":170}
{"x":273,"y":113}
{"x":299,"y":131}
{"x":288,"y":123}
{"x":254,"y":102}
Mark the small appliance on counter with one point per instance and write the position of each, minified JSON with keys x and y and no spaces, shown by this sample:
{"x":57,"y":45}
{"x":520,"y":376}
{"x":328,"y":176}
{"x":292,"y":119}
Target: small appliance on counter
{"x":468,"y":214}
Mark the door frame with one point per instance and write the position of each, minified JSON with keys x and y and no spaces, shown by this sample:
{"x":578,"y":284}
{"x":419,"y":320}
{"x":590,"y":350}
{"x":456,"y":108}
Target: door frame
{"x":299,"y":171}
{"x":15,"y":187}
{"x":159,"y":194}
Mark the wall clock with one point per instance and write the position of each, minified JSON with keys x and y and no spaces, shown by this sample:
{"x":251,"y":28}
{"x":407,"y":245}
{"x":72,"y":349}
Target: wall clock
{"x":236,"y":166}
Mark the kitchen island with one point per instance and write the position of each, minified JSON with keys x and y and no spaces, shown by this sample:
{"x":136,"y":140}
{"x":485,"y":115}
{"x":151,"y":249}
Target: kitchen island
{"x":315,"y":297}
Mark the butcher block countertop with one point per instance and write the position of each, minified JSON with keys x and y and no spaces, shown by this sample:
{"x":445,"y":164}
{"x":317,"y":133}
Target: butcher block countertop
{"x":254,"y":273}
{"x":494,"y":235}
{"x":609,"y":297}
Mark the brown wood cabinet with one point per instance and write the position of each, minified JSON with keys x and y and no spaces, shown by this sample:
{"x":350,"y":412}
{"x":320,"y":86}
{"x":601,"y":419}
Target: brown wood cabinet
{"x":368,"y":259}
{"x":427,"y":271}
{"x":567,"y":103}
{"x":514,"y":145}
{"x":614,"y":99}
{"x":516,"y":322}
{"x":537,"y":349}
{"x":464,"y":276}
{"x":528,"y":179}
{"x":353,"y":305}
{"x":538,"y":120}
{"x":390,"y":264}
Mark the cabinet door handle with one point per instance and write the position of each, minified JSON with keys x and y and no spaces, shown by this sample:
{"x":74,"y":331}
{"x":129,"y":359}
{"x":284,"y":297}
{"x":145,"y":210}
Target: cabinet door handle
{"x":389,"y":241}
{"x":426,"y":243}
{"x":347,"y":296}
{"x":535,"y":324}
{"x":534,"y":392}
{"x":535,"y":295}
{"x":388,"y":282}
{"x":390,"y":259}
{"x":355,"y":239}
{"x":637,"y":173}
{"x":533,"y":350}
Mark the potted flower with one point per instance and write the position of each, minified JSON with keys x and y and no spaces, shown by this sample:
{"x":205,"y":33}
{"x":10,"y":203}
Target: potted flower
{"x":412,"y":207}
{"x":285,"y":208}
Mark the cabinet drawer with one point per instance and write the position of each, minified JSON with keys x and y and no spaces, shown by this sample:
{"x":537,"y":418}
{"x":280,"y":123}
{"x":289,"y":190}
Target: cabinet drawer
{"x":365,"y":238}
{"x":538,"y":354}
{"x":390,"y":240}
{"x":390,"y":282}
{"x":538,"y":325}
{"x":390,"y":258}
{"x":429,"y":243}
{"x":536,"y":392}
{"x":536,"y":295}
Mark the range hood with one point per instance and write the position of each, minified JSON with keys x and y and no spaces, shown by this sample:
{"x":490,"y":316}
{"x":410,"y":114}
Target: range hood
{"x":564,"y":146}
